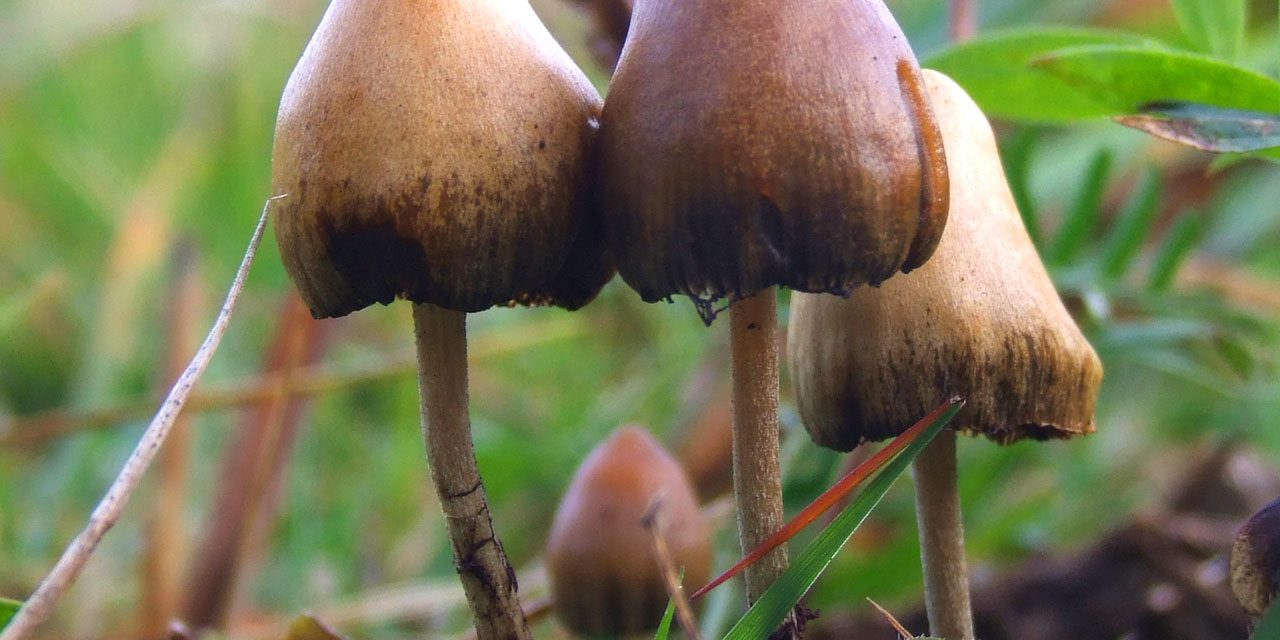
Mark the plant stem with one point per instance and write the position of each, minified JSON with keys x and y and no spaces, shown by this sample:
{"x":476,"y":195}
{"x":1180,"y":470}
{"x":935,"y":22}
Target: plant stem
{"x":487,"y":577}
{"x":107,"y":513}
{"x":757,"y":481}
{"x":964,"y":20}
{"x":946,"y":576}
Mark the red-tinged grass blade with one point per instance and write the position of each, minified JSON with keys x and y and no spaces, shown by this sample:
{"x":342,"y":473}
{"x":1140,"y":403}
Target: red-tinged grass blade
{"x":831,"y":496}
{"x":780,"y":599}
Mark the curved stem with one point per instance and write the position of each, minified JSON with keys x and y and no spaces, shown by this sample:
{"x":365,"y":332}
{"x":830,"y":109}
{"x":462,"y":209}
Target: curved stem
{"x":486,"y":575}
{"x":757,"y":480}
{"x":107,"y":513}
{"x":946,"y":576}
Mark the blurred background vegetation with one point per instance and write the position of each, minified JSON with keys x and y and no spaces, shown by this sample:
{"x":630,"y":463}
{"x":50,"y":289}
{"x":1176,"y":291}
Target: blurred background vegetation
{"x":135,"y":151}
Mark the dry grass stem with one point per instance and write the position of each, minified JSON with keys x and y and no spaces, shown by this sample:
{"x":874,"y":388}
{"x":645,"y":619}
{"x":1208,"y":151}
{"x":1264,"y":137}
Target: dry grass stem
{"x":105,"y":515}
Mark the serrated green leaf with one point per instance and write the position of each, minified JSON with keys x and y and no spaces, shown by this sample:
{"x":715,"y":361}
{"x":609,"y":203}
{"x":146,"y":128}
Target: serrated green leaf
{"x":1208,"y":127}
{"x":1126,"y":79}
{"x":1215,"y":26}
{"x":995,"y":70}
{"x":8,"y":609}
{"x":1269,"y":627}
{"x":781,"y":597}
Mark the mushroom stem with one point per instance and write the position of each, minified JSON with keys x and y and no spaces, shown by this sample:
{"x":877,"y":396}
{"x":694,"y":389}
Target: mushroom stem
{"x":757,"y":480}
{"x":487,"y":577}
{"x":946,"y":576}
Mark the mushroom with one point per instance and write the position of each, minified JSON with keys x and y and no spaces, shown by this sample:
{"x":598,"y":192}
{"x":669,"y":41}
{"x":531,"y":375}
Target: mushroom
{"x":437,"y":152}
{"x":1255,"y":561}
{"x":981,"y":320}
{"x":605,"y":580}
{"x":754,"y":143}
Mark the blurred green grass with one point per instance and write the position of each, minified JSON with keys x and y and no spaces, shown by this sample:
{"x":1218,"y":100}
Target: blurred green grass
{"x":127,"y":127}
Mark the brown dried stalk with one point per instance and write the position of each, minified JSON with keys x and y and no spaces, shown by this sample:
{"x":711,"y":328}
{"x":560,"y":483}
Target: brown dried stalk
{"x":108,"y":511}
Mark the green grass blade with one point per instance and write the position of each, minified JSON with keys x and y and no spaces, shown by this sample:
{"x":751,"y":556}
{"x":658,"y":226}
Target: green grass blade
{"x":1181,"y":240}
{"x":776,"y":602}
{"x":664,"y":627}
{"x":8,"y":609}
{"x":1082,"y":220}
{"x":1269,"y":628}
{"x":1133,"y":226}
{"x":1017,"y":165}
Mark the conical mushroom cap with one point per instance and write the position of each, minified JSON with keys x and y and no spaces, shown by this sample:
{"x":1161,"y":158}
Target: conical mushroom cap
{"x":754,"y":143}
{"x":605,"y":578}
{"x":1255,"y":560}
{"x":438,"y":152}
{"x":980,"y":320}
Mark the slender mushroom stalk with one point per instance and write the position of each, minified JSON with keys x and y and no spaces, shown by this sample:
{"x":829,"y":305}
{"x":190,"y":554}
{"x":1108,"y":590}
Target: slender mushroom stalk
{"x":751,"y":144}
{"x":1255,"y":561}
{"x":757,"y":475}
{"x":437,"y":152}
{"x":486,"y":574}
{"x":981,"y":320}
{"x":605,"y":579}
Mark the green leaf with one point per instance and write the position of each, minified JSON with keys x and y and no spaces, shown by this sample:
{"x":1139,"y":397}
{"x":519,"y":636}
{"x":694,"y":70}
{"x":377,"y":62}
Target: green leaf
{"x":8,"y":609}
{"x":996,"y":71}
{"x":1178,"y":245}
{"x":1215,"y":26}
{"x":1078,"y":225}
{"x":1269,"y":627}
{"x":1017,"y":168}
{"x":1133,"y":226}
{"x":1208,"y":127}
{"x":1126,"y":79}
{"x":781,"y":597}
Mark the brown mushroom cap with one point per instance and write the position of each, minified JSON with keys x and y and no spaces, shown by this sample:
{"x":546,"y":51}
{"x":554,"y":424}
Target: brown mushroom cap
{"x":1255,"y":560}
{"x":980,"y":320}
{"x":604,"y":576}
{"x":754,"y":143}
{"x":438,"y":152}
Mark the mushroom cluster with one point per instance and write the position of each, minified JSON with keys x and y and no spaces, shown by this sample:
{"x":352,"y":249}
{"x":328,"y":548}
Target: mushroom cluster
{"x":451,"y":154}
{"x":751,"y":144}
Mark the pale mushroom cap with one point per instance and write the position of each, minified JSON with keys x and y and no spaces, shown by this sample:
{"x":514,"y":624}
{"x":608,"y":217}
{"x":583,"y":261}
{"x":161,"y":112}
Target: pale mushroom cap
{"x":435,"y":151}
{"x":604,"y":576}
{"x":1255,"y":560}
{"x":980,"y":320}
{"x":755,"y":143}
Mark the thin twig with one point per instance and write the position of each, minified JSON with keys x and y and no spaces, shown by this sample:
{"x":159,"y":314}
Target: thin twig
{"x":165,"y":533}
{"x":251,"y":467}
{"x":670,"y":576}
{"x":105,"y":515}
{"x":893,"y":622}
{"x":41,"y":427}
